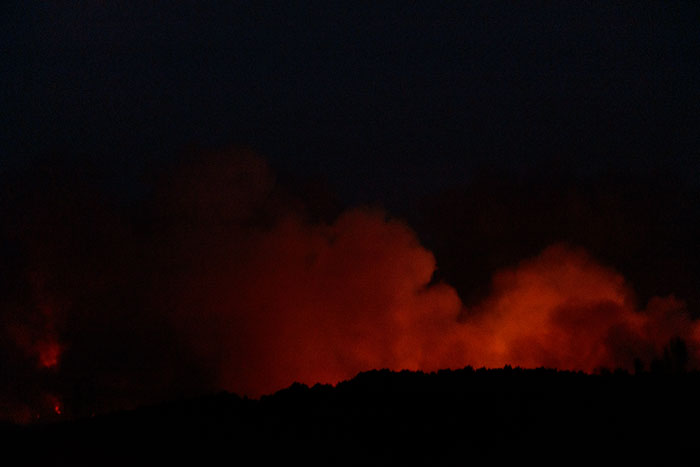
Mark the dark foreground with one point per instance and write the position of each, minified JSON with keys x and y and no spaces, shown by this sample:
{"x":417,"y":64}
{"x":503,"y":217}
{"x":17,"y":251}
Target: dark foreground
{"x":385,"y":418}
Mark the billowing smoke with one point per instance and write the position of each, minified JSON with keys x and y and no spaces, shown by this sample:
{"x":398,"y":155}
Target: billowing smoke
{"x":270,"y":298}
{"x":221,"y":280}
{"x":320,"y":303}
{"x":564,"y":310}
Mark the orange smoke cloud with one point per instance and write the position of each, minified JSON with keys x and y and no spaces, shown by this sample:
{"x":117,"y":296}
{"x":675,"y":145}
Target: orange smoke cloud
{"x":563,"y":310}
{"x":319,"y":303}
{"x":221,"y":281}
{"x":310,"y":302}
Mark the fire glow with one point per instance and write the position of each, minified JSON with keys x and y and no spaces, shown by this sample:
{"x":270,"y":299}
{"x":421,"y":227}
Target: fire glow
{"x":252,"y":306}
{"x":49,"y":353}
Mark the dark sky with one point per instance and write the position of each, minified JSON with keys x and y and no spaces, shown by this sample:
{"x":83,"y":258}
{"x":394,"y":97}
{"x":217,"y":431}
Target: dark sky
{"x":386,"y":101}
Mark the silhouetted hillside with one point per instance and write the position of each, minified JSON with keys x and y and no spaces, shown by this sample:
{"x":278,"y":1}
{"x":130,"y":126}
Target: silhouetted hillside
{"x":383,"y":417}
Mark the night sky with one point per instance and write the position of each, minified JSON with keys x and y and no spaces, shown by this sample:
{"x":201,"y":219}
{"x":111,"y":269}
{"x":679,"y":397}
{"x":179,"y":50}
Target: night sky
{"x":470,"y":161}
{"x":386,"y":101}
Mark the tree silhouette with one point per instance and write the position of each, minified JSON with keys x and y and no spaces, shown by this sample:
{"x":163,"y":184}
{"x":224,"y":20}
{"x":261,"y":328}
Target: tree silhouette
{"x":676,"y":355}
{"x":674,"y":359}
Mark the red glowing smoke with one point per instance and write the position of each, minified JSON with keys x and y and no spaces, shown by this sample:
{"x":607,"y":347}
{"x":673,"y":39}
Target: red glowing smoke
{"x":36,"y":334}
{"x":318,"y":303}
{"x":313,"y":302}
{"x":223,"y":282}
{"x":564,"y":310}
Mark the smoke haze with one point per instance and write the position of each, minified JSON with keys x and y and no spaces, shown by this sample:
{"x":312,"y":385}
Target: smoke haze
{"x":220,"y":278}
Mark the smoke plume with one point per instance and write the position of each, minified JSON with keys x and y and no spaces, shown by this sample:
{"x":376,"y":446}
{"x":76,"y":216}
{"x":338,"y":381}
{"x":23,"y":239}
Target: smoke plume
{"x":563,"y":310}
{"x":220,"y":279}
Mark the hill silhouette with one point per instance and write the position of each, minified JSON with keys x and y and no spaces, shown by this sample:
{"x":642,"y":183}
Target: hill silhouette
{"x":383,"y":417}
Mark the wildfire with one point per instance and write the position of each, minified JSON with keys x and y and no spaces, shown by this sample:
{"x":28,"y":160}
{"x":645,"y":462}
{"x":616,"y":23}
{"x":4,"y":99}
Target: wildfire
{"x":52,"y":402}
{"x":49,"y":353}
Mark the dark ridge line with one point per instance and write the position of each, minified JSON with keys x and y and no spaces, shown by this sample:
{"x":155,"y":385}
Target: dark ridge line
{"x":382,"y":381}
